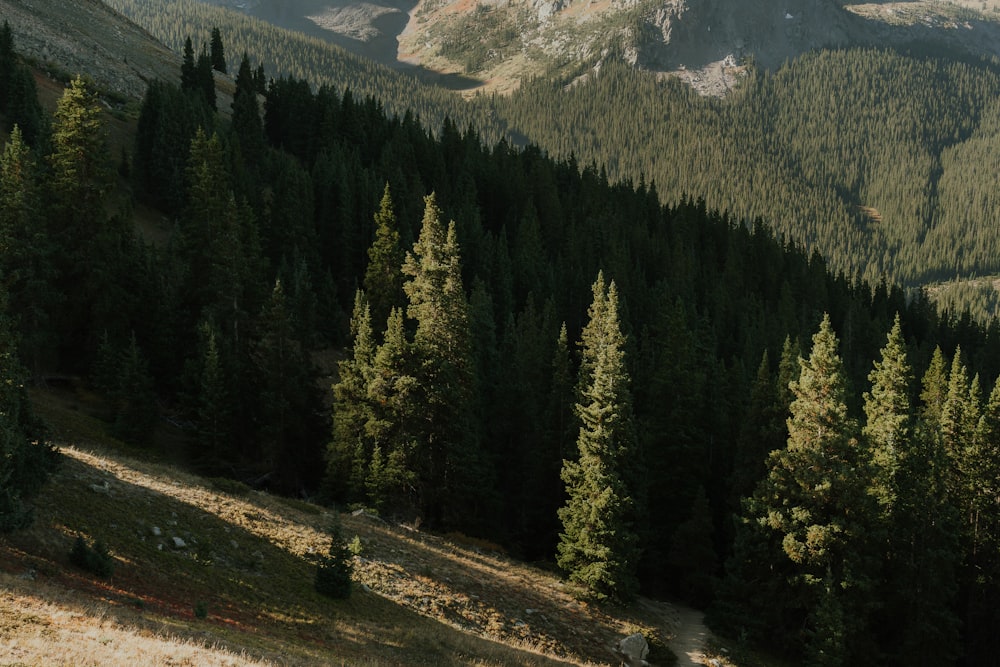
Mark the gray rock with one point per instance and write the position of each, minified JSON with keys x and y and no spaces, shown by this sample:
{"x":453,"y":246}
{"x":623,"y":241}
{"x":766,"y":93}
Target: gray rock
{"x":179,"y":543}
{"x":155,"y":531}
{"x":634,"y":648}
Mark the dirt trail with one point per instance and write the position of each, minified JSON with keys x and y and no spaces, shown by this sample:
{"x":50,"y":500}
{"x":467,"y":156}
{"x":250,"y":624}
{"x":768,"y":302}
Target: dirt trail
{"x":689,"y":638}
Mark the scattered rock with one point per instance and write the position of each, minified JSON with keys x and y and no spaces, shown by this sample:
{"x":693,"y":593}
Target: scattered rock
{"x":634,"y":648}
{"x":179,"y":543}
{"x":155,"y":531}
{"x":104,"y":489}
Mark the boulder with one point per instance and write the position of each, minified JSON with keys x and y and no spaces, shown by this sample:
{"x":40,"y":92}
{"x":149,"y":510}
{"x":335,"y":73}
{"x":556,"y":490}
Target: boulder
{"x":634,"y":648}
{"x":179,"y":543}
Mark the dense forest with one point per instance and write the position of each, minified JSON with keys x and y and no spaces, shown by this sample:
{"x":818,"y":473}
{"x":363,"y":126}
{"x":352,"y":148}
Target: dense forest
{"x":881,"y":160}
{"x":659,"y":398}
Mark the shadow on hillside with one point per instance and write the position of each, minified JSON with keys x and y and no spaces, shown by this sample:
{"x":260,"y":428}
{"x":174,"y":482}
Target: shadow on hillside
{"x":249,"y":583}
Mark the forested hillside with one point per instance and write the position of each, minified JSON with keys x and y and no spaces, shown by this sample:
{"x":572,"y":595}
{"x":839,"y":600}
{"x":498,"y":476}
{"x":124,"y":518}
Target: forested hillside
{"x":881,"y":160}
{"x":285,"y":53}
{"x":527,"y":353}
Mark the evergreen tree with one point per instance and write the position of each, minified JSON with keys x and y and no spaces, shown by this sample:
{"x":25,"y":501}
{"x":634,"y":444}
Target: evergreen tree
{"x":349,"y":452}
{"x":246,"y":123}
{"x":204,"y":79}
{"x":77,"y":183}
{"x":133,"y":398}
{"x":394,"y":395}
{"x":18,"y":92}
{"x":918,"y":583}
{"x":189,"y":75}
{"x":814,"y":503}
{"x":888,"y":427}
{"x":982,"y":520}
{"x":333,"y":573}
{"x":598,"y":547}
{"x":218,"y":55}
{"x":383,"y":278}
{"x":454,"y":475}
{"x":26,"y":459}
{"x":213,"y":409}
{"x":289,"y":407}
{"x":26,"y":252}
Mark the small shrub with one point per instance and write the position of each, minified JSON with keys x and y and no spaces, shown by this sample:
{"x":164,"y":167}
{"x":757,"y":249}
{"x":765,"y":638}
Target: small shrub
{"x":93,"y":558}
{"x":333,"y":573}
{"x":201,"y":609}
{"x":355,"y":546}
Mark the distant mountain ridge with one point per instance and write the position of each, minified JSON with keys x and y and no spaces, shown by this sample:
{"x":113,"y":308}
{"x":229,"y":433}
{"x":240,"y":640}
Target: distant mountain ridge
{"x":705,"y":42}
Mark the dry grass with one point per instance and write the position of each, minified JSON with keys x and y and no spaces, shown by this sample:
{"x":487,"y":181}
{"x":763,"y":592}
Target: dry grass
{"x":250,"y":558}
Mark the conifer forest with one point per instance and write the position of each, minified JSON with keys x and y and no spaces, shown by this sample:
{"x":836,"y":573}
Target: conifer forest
{"x":573,"y":352}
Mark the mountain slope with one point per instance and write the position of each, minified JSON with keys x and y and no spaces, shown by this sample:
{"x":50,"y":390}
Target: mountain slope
{"x":702,"y":41}
{"x":86,"y":36}
{"x":249,"y":559}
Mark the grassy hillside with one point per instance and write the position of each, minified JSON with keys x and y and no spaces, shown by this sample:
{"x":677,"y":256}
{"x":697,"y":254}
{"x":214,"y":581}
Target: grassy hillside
{"x":249,"y":561}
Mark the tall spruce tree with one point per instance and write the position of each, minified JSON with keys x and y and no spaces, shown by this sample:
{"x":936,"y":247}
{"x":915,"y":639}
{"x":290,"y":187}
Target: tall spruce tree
{"x":983,"y":544}
{"x":218,"y":53}
{"x":920,"y":554}
{"x":815,"y":504}
{"x":383,"y":279}
{"x":598,"y":547}
{"x":78,"y":180}
{"x":26,"y":459}
{"x":26,"y":252}
{"x":455,"y":477}
{"x":349,"y":452}
{"x":395,"y":426}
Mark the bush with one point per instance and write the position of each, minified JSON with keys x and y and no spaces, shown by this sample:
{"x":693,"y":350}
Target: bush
{"x":333,"y":573}
{"x":201,"y":609}
{"x":93,"y":558}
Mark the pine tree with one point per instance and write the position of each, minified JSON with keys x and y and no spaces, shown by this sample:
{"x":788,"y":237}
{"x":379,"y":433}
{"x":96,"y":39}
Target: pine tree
{"x":918,"y":584}
{"x":394,"y":395}
{"x":383,"y":278}
{"x":78,"y":180}
{"x":204,"y":79}
{"x":133,"y":398}
{"x":982,"y":520}
{"x":454,"y":475}
{"x":814,"y":503}
{"x":218,"y":52}
{"x":598,"y":547}
{"x":289,"y":406}
{"x":888,"y":426}
{"x":349,"y":452}
{"x":26,"y":252}
{"x":246,"y":122}
{"x":189,"y":76}
{"x":333,"y":573}
{"x":26,"y":459}
{"x":213,"y":405}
